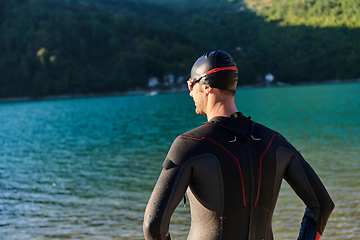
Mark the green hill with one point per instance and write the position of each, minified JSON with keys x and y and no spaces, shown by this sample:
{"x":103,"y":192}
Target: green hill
{"x":55,"y":47}
{"x":316,"y":13}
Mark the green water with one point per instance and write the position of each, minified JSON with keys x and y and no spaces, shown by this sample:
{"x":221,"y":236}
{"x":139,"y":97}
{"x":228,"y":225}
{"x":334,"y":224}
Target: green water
{"x":85,"y":168}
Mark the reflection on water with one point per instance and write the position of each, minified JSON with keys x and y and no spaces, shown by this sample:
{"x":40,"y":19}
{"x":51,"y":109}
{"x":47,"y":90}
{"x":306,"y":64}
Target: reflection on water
{"x":85,"y":168}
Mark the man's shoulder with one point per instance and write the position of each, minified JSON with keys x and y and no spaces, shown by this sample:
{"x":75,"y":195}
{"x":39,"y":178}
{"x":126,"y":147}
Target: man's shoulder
{"x":198,"y":132}
{"x":258,"y":127}
{"x":189,"y":144}
{"x":260,"y":131}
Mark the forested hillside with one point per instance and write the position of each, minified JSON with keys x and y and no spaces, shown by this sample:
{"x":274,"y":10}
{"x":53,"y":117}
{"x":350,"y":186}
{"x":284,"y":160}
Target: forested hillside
{"x":55,"y":47}
{"x":316,"y":13}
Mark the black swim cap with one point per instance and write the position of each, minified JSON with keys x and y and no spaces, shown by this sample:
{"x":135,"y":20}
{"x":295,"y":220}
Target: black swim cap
{"x":215,"y":69}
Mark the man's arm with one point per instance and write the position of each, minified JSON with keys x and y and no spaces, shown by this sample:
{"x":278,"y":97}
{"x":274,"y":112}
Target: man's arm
{"x":168,"y":192}
{"x":307,"y":185}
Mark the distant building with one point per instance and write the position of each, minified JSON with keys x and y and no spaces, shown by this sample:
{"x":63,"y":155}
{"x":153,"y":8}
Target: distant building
{"x":169,"y":79}
{"x":269,"y":78}
{"x":153,"y":82}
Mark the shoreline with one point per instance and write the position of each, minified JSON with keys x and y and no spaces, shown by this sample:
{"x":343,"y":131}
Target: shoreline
{"x":151,"y":92}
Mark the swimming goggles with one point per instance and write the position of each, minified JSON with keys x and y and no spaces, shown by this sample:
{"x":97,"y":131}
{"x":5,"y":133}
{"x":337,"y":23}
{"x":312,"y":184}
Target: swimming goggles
{"x":191,"y":82}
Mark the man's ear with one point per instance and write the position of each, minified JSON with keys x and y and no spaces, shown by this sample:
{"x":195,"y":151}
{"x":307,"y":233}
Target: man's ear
{"x":208,"y":90}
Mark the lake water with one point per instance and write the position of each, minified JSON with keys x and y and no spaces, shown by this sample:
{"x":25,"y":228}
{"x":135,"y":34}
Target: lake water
{"x":85,"y":168}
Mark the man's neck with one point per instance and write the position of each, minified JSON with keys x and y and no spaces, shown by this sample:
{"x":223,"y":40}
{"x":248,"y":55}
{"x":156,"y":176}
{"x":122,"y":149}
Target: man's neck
{"x":221,"y":109}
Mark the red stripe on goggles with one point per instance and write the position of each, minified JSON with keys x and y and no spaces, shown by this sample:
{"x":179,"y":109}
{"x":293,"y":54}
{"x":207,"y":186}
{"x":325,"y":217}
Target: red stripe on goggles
{"x":191,"y":82}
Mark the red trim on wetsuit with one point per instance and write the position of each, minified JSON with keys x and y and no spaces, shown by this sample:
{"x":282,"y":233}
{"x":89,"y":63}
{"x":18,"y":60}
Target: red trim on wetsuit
{"x":237,"y":161}
{"x":257,"y":197}
{"x":321,"y":226}
{"x":318,"y":234}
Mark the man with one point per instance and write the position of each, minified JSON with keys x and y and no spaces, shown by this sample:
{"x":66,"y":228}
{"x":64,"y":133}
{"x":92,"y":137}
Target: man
{"x":232,"y":168}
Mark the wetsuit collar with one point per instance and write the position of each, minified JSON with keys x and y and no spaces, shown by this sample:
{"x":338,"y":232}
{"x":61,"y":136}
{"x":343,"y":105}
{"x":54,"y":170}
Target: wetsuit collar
{"x":236,"y":123}
{"x":235,"y":115}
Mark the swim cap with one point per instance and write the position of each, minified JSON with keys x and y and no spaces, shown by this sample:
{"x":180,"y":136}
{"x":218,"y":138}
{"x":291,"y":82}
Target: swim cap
{"x":215,"y":69}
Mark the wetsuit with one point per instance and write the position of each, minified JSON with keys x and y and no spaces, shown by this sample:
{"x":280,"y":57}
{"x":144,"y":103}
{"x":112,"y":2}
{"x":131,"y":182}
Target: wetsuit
{"x":232,"y":169}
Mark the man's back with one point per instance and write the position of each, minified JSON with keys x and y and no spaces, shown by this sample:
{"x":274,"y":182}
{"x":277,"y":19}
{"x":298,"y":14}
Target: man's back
{"x":233,"y":168}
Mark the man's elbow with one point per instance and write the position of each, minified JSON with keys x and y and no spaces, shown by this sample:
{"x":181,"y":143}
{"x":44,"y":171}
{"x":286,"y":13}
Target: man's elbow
{"x":329,"y":207}
{"x":151,"y":228}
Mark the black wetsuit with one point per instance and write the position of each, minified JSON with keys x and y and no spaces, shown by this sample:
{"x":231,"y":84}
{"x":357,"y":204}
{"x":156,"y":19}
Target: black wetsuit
{"x":232,"y":169}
